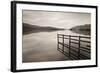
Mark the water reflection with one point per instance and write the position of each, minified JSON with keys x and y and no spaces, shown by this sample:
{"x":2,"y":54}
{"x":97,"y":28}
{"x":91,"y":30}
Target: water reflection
{"x":42,"y":46}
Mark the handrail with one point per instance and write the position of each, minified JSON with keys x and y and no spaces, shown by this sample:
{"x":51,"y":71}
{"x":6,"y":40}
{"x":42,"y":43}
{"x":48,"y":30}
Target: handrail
{"x":75,"y":36}
{"x":85,"y":41}
{"x":70,"y":47}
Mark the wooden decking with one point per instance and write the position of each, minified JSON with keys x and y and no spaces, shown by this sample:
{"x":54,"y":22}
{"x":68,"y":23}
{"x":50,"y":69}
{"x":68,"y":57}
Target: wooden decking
{"x":74,"y":47}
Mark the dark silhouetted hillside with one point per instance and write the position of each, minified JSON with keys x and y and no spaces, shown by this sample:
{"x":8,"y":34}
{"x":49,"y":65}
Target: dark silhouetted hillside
{"x":82,"y":29}
{"x":27,"y":28}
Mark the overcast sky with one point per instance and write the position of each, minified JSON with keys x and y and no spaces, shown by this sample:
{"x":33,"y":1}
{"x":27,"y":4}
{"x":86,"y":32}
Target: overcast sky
{"x":56,"y":19}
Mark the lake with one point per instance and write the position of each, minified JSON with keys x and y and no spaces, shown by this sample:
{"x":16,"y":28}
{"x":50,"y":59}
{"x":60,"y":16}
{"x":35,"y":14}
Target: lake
{"x":42,"y":46}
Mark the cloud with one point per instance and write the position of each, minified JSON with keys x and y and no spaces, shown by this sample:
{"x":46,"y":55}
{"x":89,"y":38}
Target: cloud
{"x":56,"y":19}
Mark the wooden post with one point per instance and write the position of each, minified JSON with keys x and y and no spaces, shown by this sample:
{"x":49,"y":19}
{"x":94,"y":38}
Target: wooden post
{"x":79,"y":49}
{"x":63,"y":43}
{"x":58,"y":41}
{"x":69,"y":44}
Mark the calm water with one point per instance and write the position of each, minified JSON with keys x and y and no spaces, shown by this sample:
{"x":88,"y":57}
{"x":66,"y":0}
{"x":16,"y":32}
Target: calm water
{"x":42,"y":46}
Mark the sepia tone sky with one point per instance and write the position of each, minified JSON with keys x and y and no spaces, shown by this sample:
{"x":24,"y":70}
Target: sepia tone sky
{"x":64,"y":20}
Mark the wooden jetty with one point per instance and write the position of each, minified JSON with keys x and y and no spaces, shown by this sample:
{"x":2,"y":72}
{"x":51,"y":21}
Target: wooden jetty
{"x":74,"y":47}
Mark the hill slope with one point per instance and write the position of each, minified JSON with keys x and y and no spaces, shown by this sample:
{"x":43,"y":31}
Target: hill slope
{"x":27,"y":28}
{"x":82,"y":29}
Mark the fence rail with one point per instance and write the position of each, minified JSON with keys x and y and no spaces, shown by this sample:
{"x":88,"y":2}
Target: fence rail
{"x":74,"y":47}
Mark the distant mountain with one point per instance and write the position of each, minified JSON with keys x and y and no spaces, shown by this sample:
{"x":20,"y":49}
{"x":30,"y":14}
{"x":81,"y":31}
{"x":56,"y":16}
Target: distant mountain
{"x":82,"y":29}
{"x":28,"y":28}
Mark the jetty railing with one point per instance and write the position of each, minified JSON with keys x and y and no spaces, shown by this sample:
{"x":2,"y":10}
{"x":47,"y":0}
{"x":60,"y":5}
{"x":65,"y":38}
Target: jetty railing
{"x":74,"y":47}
